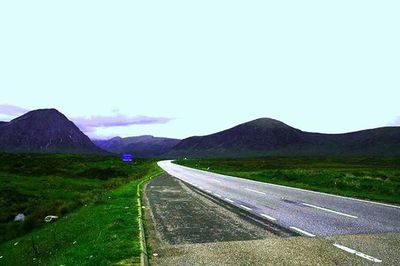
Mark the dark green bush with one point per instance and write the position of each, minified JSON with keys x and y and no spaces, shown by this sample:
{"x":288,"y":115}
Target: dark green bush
{"x":29,"y":223}
{"x":103,"y":173}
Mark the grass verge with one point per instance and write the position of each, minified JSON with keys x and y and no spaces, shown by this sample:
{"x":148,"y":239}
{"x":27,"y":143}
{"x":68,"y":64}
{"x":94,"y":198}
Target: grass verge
{"x":38,"y":185}
{"x":360,"y":177}
{"x":103,"y":232}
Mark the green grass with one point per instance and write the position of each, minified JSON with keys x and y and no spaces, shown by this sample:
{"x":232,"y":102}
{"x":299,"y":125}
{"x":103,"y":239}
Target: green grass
{"x":98,"y":211}
{"x":362,"y":177}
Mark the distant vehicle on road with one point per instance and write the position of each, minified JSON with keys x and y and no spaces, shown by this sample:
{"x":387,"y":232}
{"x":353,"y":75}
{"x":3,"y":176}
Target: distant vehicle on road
{"x":127,"y":157}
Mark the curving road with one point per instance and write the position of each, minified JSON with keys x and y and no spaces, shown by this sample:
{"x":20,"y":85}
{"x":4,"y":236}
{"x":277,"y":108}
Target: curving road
{"x":305,"y":212}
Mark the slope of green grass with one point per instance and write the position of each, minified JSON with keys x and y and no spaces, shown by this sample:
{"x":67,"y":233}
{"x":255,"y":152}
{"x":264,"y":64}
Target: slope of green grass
{"x":367,"y":178}
{"x":98,"y":213}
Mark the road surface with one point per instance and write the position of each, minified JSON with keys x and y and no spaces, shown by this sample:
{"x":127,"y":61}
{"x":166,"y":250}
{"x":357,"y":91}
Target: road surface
{"x":307,"y":213}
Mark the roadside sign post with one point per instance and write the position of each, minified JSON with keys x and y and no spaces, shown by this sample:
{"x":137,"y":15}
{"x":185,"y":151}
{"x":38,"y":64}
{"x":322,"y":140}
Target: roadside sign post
{"x":126,"y":157}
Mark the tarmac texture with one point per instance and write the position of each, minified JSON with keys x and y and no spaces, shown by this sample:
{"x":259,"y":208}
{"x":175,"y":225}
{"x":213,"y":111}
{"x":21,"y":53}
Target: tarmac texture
{"x":184,"y":216}
{"x":186,"y":227}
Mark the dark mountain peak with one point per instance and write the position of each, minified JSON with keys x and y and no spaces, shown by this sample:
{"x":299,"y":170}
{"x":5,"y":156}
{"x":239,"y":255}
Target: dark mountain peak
{"x":140,"y":138}
{"x":114,"y":138}
{"x":44,"y":130}
{"x":256,"y":129}
{"x":266,"y":123}
{"x":266,"y":136}
{"x":50,"y":112}
{"x":42,"y":118}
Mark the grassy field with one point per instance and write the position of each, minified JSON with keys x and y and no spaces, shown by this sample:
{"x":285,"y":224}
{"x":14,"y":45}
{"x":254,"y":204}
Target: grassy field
{"x":367,"y":178}
{"x":94,"y":197}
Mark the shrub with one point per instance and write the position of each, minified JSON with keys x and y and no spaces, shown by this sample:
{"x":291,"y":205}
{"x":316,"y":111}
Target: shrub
{"x":103,"y":173}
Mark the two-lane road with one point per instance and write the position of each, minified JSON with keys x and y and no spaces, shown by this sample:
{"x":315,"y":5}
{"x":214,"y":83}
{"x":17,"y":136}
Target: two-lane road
{"x":306,"y":212}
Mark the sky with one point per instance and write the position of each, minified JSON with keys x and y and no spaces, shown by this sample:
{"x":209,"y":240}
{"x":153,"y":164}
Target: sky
{"x":183,"y":68}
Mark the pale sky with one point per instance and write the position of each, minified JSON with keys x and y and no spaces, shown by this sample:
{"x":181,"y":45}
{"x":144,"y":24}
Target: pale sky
{"x":197,"y":67}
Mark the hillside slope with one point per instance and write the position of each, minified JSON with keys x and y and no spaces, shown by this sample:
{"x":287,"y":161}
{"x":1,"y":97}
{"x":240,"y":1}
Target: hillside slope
{"x":44,"y":131}
{"x":140,"y":146}
{"x":265,"y":136}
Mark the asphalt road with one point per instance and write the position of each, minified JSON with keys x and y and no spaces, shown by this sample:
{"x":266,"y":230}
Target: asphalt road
{"x":182,"y":216}
{"x":305,"y":212}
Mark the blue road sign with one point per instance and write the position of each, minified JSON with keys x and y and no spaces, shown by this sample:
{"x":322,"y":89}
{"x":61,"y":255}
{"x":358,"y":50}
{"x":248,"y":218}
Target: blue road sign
{"x":126,"y":157}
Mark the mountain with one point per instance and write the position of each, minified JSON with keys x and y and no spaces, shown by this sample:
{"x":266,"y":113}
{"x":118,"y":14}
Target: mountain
{"x":140,"y":146}
{"x":44,"y":131}
{"x":265,"y":136}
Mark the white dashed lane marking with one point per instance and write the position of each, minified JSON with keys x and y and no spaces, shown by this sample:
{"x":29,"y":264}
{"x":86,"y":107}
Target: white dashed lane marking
{"x":256,"y":191}
{"x":357,"y":253}
{"x":302,"y":231}
{"x":245,"y":207}
{"x":329,"y":210}
{"x":268,"y":217}
{"x":229,"y":200}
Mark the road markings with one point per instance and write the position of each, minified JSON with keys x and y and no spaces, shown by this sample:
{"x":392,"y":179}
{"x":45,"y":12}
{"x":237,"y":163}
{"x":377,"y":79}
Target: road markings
{"x":218,"y":195}
{"x":329,"y":210}
{"x":245,"y":207}
{"x":268,"y":217}
{"x":229,"y":200}
{"x":302,"y":231}
{"x":256,"y":191}
{"x":357,"y":253}
{"x":208,"y":191}
{"x":201,"y":188}
{"x":215,"y":180}
{"x":273,"y":185}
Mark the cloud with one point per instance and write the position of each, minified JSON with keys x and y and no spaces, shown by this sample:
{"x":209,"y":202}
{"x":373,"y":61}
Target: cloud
{"x":395,"y":122}
{"x":12,"y":110}
{"x":89,"y":124}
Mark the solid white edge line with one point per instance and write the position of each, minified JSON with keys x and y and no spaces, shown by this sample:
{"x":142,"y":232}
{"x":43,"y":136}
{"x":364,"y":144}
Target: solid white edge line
{"x":245,"y":207}
{"x":218,"y":195}
{"x":294,"y":188}
{"x":329,"y":210}
{"x":229,"y":200}
{"x":256,"y":191}
{"x":208,"y":191}
{"x":357,"y":253}
{"x":268,"y":217}
{"x":302,"y":231}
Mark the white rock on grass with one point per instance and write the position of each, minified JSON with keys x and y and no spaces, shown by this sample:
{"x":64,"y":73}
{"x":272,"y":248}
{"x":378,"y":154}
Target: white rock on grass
{"x":20,"y":217}
{"x":50,"y":218}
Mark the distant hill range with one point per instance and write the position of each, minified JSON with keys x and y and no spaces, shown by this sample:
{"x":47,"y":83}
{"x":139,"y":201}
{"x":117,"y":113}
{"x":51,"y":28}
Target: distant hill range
{"x":49,"y":131}
{"x":140,"y":146}
{"x":44,"y":131}
{"x":265,"y":136}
